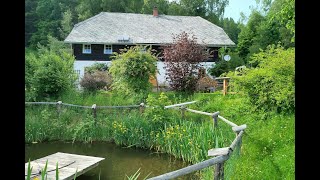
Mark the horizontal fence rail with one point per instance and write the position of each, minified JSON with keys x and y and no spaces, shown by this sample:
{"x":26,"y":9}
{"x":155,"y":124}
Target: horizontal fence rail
{"x":181,"y":104}
{"x":129,"y":106}
{"x":81,"y":106}
{"x":94,"y":107}
{"x":227,"y":121}
{"x":74,"y":105}
{"x":199,"y":112}
{"x":50,"y":103}
{"x":192,"y":168}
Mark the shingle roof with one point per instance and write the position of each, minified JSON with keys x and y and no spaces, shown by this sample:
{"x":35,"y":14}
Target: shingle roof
{"x":107,"y":27}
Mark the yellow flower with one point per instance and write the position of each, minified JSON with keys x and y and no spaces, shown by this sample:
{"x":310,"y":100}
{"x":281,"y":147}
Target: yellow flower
{"x":36,"y":178}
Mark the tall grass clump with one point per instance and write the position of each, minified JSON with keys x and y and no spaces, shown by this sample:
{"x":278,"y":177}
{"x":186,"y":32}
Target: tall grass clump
{"x":157,"y":128}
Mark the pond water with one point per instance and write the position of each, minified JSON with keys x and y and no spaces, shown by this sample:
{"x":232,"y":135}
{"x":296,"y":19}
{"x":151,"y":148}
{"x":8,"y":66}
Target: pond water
{"x":118,"y":162}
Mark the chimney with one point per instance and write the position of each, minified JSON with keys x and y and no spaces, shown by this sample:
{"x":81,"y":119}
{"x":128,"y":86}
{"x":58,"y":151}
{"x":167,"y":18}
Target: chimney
{"x":155,"y":11}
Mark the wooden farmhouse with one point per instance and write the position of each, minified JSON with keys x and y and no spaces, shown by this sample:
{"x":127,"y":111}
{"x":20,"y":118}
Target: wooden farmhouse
{"x":94,"y":39}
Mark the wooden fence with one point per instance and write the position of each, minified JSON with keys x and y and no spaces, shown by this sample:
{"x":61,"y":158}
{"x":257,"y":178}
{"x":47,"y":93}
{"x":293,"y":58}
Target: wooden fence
{"x":220,"y":154}
{"x":94,"y":107}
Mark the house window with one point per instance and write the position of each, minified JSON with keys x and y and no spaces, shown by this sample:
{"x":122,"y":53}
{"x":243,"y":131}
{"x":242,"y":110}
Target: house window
{"x":86,"y":49}
{"x":107,"y":49}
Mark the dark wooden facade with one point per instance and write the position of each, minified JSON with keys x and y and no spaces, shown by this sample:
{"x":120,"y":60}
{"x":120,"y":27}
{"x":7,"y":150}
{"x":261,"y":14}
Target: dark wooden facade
{"x":97,"y":52}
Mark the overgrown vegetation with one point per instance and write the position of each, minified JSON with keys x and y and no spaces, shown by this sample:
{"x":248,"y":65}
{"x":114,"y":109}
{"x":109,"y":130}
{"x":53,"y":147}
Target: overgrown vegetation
{"x":267,"y":143}
{"x":272,"y":23}
{"x":132,"y":68}
{"x":271,"y":85}
{"x":276,"y":25}
{"x":49,"y":72}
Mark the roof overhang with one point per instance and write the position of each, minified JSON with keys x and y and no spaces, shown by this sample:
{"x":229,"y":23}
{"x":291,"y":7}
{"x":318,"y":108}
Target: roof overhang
{"x":157,"y":44}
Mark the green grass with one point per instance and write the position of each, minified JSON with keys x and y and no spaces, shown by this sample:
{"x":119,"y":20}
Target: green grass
{"x":267,"y":147}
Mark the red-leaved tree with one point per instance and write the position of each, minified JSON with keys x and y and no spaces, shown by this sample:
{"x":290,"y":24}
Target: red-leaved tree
{"x":182,"y":60}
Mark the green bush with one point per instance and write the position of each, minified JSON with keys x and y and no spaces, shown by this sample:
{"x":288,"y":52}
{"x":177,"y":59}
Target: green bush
{"x":50,"y":72}
{"x":271,"y":85}
{"x":30,"y":68}
{"x":156,"y":112}
{"x":132,"y":68}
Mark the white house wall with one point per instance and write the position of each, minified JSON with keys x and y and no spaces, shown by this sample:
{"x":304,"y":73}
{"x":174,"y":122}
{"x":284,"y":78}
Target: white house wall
{"x":80,"y":65}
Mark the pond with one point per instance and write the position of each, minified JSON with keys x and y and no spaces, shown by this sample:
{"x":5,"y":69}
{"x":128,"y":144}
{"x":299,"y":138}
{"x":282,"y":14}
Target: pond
{"x":118,"y":162}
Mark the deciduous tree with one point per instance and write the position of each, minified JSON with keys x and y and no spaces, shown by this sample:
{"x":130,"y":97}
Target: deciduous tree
{"x":182,"y":59}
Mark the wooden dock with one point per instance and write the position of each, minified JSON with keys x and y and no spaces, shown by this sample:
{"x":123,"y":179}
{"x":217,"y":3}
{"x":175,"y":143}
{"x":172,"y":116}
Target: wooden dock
{"x":68,"y":165}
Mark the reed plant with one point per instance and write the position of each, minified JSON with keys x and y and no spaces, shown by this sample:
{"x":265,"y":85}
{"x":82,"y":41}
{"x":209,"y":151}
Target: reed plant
{"x":136,"y":176}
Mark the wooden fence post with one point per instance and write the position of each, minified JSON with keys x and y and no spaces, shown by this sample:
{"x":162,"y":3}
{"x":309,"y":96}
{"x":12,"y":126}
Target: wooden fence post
{"x":237,"y":130}
{"x":215,"y":119}
{"x":225,"y":86}
{"x":59,"y":107}
{"x":183,"y":110}
{"x":219,"y":171}
{"x":239,"y":144}
{"x":94,"y":112}
{"x":142,"y":107}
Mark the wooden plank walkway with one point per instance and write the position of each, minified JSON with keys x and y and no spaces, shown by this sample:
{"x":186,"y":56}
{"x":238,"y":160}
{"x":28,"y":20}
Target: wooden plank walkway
{"x":69,"y":164}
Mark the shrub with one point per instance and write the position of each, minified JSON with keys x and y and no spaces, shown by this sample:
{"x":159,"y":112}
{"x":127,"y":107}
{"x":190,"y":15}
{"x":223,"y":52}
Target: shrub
{"x":132,"y":68}
{"x":182,"y":59}
{"x":50,"y":72}
{"x":30,"y":68}
{"x":95,"y":81}
{"x":271,"y":85}
{"x":156,"y":112}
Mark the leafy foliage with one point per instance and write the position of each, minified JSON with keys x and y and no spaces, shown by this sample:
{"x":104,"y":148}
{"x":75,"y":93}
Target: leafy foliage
{"x":182,"y":60}
{"x":274,"y":26}
{"x":156,"y":112}
{"x":50,"y":72}
{"x":248,"y":32}
{"x":231,"y":28}
{"x":271,"y":85}
{"x":132,"y":69}
{"x":286,"y":16}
